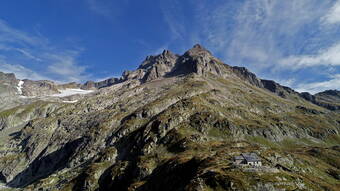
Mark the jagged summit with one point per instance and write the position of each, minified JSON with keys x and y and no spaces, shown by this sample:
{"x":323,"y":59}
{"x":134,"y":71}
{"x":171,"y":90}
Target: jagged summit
{"x":169,"y":64}
{"x":169,"y":58}
{"x":198,"y":46}
{"x":166,"y":57}
{"x":198,"y":50}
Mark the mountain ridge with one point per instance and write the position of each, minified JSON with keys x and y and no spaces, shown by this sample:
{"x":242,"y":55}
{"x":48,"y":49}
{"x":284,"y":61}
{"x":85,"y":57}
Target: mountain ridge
{"x":169,"y":64}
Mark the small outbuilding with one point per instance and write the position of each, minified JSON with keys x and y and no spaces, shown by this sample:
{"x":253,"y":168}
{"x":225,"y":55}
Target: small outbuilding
{"x":250,"y":159}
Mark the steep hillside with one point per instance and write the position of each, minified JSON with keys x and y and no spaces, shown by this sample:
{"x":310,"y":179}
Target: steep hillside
{"x":175,"y":123}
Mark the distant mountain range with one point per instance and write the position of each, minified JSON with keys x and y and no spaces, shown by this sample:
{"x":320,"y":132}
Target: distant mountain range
{"x":174,"y":123}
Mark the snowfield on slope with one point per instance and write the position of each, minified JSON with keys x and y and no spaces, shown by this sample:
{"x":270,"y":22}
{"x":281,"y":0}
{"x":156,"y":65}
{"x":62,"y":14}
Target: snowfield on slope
{"x":69,"y":92}
{"x":74,"y":101}
{"x":19,"y":87}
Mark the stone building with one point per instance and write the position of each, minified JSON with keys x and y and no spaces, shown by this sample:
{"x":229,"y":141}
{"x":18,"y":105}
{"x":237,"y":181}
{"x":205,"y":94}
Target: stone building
{"x":250,"y":159}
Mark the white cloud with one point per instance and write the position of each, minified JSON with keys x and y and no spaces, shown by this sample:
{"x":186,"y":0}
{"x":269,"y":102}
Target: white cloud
{"x":315,"y":87}
{"x":20,"y":71}
{"x":328,"y":57}
{"x":286,"y":82}
{"x":22,"y":51}
{"x":28,"y":54}
{"x":11,"y":35}
{"x":66,"y":67}
{"x":333,"y":16}
{"x":37,"y":58}
{"x":262,"y":24}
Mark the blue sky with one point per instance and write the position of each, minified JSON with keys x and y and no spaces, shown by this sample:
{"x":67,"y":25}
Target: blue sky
{"x":295,"y":42}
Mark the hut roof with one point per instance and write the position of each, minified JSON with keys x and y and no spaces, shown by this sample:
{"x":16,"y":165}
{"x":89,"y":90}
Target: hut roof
{"x":251,"y":157}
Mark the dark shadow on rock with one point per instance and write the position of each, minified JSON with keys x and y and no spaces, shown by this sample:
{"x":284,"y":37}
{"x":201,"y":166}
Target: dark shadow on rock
{"x":43,"y":166}
{"x":183,"y":66}
{"x":15,"y":134}
{"x":2,"y":178}
{"x":118,"y":177}
{"x":171,"y":176}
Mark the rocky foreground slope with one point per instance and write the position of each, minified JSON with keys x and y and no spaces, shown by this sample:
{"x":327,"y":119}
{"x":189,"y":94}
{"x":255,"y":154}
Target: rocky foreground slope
{"x":175,"y":123}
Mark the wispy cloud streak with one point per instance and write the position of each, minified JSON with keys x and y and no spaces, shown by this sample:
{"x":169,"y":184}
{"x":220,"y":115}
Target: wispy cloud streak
{"x":35,"y":57}
{"x":315,"y":87}
{"x":328,"y":57}
{"x":333,"y":16}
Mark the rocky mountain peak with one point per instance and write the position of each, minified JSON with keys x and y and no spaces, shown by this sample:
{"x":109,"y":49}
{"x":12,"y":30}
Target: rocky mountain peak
{"x":196,"y":60}
{"x":166,"y":57}
{"x":167,"y":53}
{"x":198,"y":50}
{"x":153,"y":67}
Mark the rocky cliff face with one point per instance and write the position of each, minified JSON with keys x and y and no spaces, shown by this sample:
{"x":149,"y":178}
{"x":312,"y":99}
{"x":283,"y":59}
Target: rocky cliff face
{"x":175,"y":119}
{"x":39,"y":88}
{"x":158,"y":66}
{"x":9,"y":90}
{"x":8,"y":84}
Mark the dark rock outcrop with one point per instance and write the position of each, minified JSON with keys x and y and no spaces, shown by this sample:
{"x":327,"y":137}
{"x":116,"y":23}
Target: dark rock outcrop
{"x":307,"y":96}
{"x":153,"y":67}
{"x":278,"y":89}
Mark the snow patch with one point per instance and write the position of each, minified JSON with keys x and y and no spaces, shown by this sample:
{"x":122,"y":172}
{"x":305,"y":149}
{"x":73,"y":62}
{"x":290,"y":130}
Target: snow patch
{"x":74,"y":101}
{"x":19,"y":88}
{"x":69,"y":92}
{"x":27,"y":97}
